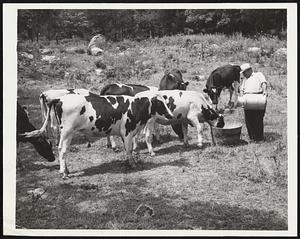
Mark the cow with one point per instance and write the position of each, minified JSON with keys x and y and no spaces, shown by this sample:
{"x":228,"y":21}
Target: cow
{"x":227,"y":76}
{"x":42,"y":145}
{"x":188,"y":107}
{"x":96,"y":115}
{"x":124,"y":89}
{"x":172,"y":80}
{"x":47,"y":97}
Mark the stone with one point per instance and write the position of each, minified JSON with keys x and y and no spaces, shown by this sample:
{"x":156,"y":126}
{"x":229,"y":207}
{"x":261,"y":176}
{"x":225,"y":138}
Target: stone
{"x":46,"y":51}
{"x":49,"y":59}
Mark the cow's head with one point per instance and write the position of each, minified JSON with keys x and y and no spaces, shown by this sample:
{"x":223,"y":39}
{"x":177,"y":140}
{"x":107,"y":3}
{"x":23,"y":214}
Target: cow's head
{"x":159,"y":107}
{"x":213,"y":93}
{"x":212,"y":117}
{"x":41,"y":143}
{"x":182,"y":85}
{"x":44,"y":147}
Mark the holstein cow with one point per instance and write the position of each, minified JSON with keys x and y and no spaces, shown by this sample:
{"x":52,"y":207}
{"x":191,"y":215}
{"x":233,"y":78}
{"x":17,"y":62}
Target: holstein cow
{"x":124,"y":89}
{"x":227,"y":76}
{"x":188,"y":107}
{"x":172,"y":80}
{"x":40,"y":143}
{"x":96,"y":115}
{"x":47,"y":97}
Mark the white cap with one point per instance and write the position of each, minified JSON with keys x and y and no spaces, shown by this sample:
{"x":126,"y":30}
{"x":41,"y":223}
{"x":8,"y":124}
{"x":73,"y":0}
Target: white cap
{"x":244,"y":67}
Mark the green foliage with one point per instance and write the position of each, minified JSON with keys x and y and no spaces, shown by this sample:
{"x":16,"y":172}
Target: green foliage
{"x":120,"y":24}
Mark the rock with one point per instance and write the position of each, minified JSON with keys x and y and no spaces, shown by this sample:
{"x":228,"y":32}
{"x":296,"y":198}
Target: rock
{"x":144,"y":210}
{"x":281,"y":51}
{"x":27,"y":55}
{"x":98,"y":72}
{"x":50,"y":59}
{"x":214,"y":46}
{"x":38,"y":193}
{"x":254,"y":50}
{"x":95,"y":51}
{"x":147,"y":71}
{"x":46,"y":51}
{"x":94,"y":47}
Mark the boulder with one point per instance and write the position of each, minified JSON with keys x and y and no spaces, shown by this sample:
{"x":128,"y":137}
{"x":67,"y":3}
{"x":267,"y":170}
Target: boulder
{"x":46,"y":51}
{"x":95,"y":45}
{"x":95,"y":51}
{"x":281,"y":52}
{"x":27,"y":55}
{"x":48,"y":58}
{"x":254,"y":50}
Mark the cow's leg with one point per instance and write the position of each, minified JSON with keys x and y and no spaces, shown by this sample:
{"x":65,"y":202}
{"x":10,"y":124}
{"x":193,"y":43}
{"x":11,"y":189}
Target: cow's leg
{"x":111,"y":142}
{"x":199,"y":127}
{"x":148,"y":137}
{"x":156,"y":132}
{"x":236,"y":89}
{"x":64,"y":143}
{"x":212,"y":136}
{"x":185,"y":132}
{"x":128,"y":147}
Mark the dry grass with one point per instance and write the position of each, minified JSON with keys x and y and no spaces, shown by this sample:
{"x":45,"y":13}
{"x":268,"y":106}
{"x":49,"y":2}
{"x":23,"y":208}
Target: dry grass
{"x":224,"y":187}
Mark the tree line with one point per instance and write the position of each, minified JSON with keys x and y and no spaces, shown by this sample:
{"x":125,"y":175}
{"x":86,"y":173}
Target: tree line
{"x":119,"y":24}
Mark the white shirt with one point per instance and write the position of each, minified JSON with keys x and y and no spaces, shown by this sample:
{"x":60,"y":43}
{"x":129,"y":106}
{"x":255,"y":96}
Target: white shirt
{"x":253,"y":83}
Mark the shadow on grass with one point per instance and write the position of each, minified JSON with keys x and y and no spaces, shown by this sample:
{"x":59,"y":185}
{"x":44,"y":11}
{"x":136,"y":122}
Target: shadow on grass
{"x":234,"y":144}
{"x":180,"y":148}
{"x":119,"y":212}
{"x":118,"y":166}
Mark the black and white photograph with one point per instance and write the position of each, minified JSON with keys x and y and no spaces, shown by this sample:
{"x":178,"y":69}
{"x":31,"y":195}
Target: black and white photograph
{"x":150,"y":119}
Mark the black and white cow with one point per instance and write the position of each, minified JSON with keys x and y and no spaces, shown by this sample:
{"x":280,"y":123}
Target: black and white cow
{"x":188,"y":107}
{"x":47,"y":97}
{"x":125,"y":89}
{"x":40,"y":143}
{"x":96,"y":115}
{"x":172,"y":80}
{"x":227,"y":76}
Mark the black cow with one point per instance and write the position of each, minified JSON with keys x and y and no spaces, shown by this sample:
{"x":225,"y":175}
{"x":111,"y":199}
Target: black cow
{"x":223,"y":77}
{"x":124,"y":89}
{"x":172,"y":80}
{"x":40,"y":143}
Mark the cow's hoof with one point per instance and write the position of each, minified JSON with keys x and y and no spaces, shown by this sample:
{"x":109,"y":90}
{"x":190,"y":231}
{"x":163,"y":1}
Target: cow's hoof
{"x":65,"y":176}
{"x":115,"y":149}
{"x":108,"y":146}
{"x":186,"y":145}
{"x":152,"y":154}
{"x":89,"y":145}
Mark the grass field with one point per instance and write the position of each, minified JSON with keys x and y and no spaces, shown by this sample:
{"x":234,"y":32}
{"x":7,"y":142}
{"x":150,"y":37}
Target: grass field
{"x":241,"y":187}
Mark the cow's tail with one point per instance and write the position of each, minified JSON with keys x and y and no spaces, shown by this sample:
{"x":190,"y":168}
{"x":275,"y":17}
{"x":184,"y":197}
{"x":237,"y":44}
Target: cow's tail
{"x":43,"y":107}
{"x":104,"y":90}
{"x":42,"y":131}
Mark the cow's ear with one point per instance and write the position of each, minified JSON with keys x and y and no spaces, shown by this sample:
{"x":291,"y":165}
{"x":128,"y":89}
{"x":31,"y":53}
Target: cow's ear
{"x":187,"y":83}
{"x":205,"y":90}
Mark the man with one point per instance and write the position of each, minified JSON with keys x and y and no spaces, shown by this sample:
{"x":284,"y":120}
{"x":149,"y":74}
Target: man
{"x":254,"y":83}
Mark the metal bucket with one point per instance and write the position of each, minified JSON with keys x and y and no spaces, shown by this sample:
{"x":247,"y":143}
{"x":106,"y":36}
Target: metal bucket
{"x":229,"y":134}
{"x":253,"y":101}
